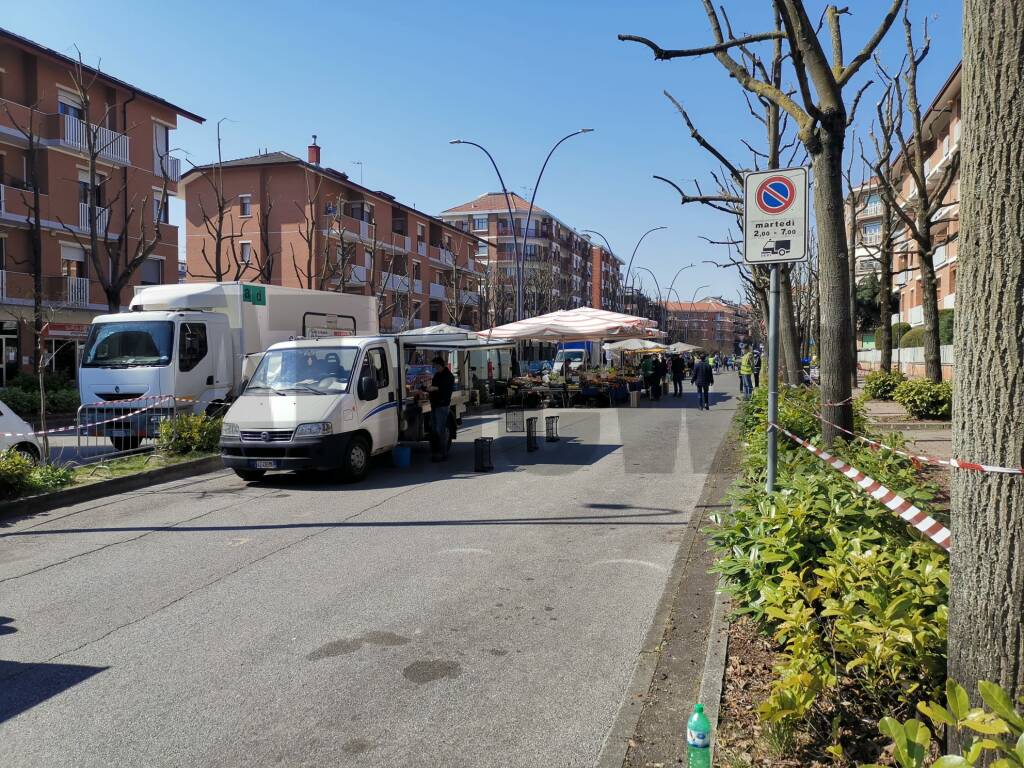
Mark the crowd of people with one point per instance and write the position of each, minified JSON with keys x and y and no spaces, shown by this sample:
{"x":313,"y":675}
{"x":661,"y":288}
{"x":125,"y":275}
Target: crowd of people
{"x":700,"y":369}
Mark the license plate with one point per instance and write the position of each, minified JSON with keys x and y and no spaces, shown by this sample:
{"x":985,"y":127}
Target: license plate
{"x":119,"y":433}
{"x":265,"y":464}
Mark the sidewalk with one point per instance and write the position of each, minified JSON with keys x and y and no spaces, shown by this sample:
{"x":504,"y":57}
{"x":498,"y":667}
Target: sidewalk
{"x":933,"y":438}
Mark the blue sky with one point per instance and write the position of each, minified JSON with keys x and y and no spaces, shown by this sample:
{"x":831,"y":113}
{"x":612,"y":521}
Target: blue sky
{"x":389,"y":84}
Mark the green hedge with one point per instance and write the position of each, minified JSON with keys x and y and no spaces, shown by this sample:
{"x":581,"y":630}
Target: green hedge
{"x":879,"y":385}
{"x":856,"y":602}
{"x":19,"y":476}
{"x":913,"y":338}
{"x":925,"y":399}
{"x":189,"y":434}
{"x":946,"y":318}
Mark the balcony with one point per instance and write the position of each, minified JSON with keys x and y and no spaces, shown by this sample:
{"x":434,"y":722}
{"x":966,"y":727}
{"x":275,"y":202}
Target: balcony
{"x":442,"y":255}
{"x":470,"y":298}
{"x":870,"y":238}
{"x":438,"y":292}
{"x":872,"y":209}
{"x":171,"y":164}
{"x":400,"y":241}
{"x":338,"y":224}
{"x":58,"y":290}
{"x":102,"y":218}
{"x":109,"y":145}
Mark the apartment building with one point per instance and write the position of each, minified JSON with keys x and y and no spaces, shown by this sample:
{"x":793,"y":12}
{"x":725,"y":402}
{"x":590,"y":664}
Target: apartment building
{"x":293,"y":222}
{"x":559,"y":261}
{"x":864,"y":209}
{"x":714,"y":324}
{"x":133,"y":132}
{"x":606,"y":279}
{"x":941,"y":126}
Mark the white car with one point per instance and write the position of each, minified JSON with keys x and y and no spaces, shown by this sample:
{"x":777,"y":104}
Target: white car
{"x":17,"y":434}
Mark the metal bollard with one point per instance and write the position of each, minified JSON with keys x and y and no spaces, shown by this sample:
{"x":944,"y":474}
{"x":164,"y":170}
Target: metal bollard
{"x":531,"y":435}
{"x":551,"y":429}
{"x":482,"y":454}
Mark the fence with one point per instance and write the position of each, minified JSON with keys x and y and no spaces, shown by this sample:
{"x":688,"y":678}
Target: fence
{"x":909,"y":360}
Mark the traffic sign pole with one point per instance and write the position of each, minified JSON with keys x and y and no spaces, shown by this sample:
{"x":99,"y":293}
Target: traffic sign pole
{"x":773,"y":373}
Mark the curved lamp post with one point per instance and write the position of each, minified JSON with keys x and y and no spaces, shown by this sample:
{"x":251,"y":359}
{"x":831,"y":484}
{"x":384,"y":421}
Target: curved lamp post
{"x":629,"y":268}
{"x":520,"y":252}
{"x":621,"y":305}
{"x":692,"y":300}
{"x":658,"y":289}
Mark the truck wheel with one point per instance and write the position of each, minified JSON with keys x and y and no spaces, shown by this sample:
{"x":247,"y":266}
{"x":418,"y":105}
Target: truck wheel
{"x":29,"y":451}
{"x":126,"y":443}
{"x":356,"y":460}
{"x":251,"y":475}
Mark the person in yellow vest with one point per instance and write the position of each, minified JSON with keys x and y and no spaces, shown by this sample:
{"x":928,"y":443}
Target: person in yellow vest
{"x":746,"y":373}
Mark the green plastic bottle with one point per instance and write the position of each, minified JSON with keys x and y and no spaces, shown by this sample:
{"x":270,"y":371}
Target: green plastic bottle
{"x":698,"y":739}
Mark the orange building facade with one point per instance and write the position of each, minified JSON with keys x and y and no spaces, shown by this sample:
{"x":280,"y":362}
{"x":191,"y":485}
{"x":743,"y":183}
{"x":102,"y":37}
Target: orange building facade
{"x":134,"y":130}
{"x":296,"y":223}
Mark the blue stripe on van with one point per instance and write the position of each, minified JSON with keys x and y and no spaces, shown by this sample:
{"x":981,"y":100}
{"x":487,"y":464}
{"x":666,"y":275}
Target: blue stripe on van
{"x":378,"y":409}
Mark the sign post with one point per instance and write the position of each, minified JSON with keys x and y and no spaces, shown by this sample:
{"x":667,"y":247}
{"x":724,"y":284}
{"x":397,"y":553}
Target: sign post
{"x":774,"y":233}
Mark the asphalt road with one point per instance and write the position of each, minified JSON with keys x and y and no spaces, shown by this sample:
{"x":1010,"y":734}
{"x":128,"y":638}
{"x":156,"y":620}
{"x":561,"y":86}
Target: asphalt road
{"x":429,"y":616}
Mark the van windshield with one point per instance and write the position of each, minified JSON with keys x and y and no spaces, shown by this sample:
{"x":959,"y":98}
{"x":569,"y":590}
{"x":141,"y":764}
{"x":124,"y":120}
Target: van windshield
{"x":572,"y":355}
{"x":129,"y":344}
{"x":319,"y":371}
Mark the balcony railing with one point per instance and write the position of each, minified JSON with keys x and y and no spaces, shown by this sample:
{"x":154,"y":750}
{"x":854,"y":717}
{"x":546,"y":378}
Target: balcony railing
{"x":871,"y":238}
{"x":439,"y":292}
{"x":109,"y":145}
{"x":337,"y":223}
{"x":168,"y":163}
{"x":102,"y":218}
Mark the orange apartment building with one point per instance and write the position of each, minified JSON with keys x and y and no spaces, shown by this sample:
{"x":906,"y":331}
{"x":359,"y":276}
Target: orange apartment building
{"x":941,"y":126}
{"x":561,"y":270}
{"x":38,"y":97}
{"x":606,"y":279}
{"x":714,"y":324}
{"x":296,"y":223}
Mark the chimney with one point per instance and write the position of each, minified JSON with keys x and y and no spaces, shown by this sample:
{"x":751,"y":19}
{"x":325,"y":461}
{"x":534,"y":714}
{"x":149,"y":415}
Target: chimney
{"x":314,"y":152}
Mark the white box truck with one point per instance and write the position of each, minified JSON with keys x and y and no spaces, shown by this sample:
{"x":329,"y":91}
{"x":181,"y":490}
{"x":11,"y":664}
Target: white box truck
{"x":332,"y":403}
{"x":185,"y":347}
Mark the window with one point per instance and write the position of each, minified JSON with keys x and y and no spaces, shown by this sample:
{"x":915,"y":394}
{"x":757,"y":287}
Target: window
{"x":151,"y":272}
{"x":191,"y":345}
{"x":161,"y":209}
{"x":69,"y":105}
{"x":480,"y":224}
{"x":72,"y":261}
{"x":3,"y":254}
{"x":375,"y":365}
{"x":83,"y":187}
{"x":161,"y":143}
{"x":245,"y":252}
{"x":481,"y":249}
{"x":245,"y":205}
{"x":420,"y":233}
{"x":945,"y":145}
{"x":416,"y":270}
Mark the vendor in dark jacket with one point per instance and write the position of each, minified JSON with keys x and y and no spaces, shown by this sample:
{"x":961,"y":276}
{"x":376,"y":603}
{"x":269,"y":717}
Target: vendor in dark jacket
{"x":441,"y":388}
{"x":703,"y":377}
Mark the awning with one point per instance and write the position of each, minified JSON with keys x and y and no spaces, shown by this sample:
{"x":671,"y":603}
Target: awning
{"x":634,"y":345}
{"x":581,"y":324}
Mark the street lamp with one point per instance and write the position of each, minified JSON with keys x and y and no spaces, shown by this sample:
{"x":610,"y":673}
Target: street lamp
{"x":692,"y":300}
{"x":520,"y":253}
{"x":658,"y":289}
{"x":621,"y":305}
{"x":637,"y":247}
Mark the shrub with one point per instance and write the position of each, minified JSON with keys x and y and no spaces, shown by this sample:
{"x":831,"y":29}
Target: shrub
{"x":62,"y":401}
{"x":25,"y":403}
{"x":189,"y":433}
{"x":49,"y":477}
{"x":29,"y":383}
{"x":879,"y":385}
{"x":913,"y":338}
{"x":925,"y":399}
{"x":855,"y":600}
{"x":15,"y":474}
{"x":996,"y":730}
{"x":898,"y":329}
{"x":946,"y":317}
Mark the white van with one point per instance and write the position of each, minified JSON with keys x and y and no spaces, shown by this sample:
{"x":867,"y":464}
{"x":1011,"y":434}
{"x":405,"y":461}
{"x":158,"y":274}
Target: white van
{"x":16,"y":433}
{"x":332,"y":403}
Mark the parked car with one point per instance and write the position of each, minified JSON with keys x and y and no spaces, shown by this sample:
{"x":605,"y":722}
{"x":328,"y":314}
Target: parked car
{"x":16,"y":433}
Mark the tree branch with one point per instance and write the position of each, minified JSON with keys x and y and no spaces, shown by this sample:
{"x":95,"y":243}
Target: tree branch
{"x":662,"y":54}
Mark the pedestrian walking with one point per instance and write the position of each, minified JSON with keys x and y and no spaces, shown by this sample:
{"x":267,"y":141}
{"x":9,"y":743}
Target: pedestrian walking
{"x":756,"y":364}
{"x":678,"y":371}
{"x":703,"y":378}
{"x":746,"y":374}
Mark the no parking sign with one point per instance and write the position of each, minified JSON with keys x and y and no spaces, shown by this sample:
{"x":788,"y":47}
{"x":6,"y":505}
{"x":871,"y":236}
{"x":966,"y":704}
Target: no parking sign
{"x":775,"y":216}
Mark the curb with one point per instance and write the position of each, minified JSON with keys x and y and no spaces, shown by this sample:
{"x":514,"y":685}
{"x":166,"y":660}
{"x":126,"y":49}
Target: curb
{"x":77,"y":494}
{"x":714,"y":664}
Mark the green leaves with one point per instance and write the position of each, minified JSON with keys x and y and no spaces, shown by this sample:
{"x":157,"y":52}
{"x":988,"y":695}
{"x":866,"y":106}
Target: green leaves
{"x":911,"y":741}
{"x":1000,"y":703}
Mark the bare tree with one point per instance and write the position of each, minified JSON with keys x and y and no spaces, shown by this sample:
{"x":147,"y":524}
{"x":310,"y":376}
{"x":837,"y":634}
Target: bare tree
{"x":822,"y":118}
{"x":114,"y":258}
{"x":986,"y":634}
{"x":921,"y":213}
{"x":217,"y":220}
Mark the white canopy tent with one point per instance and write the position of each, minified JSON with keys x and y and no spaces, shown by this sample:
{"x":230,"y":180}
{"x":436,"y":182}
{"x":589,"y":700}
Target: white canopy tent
{"x":581,"y":324}
{"x":441,"y":329}
{"x":634,"y":345}
{"x":680,"y":346}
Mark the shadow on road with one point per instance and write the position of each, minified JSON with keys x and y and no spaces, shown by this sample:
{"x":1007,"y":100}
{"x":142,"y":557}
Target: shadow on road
{"x":23,"y":686}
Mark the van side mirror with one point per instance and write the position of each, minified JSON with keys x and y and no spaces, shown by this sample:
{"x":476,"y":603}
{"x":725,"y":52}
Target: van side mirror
{"x":367,"y":388}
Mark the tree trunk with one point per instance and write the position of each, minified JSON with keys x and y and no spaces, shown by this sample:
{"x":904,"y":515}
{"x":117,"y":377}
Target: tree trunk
{"x":986,"y":634}
{"x":833,"y":284}
{"x":885,"y":310}
{"x":788,"y":331}
{"x":930,"y":311}
{"x":851,"y":269}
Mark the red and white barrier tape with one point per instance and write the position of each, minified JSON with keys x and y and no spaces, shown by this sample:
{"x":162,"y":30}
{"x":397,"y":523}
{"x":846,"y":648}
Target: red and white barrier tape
{"x":923,"y":522}
{"x":919,"y":458}
{"x":74,"y":428}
